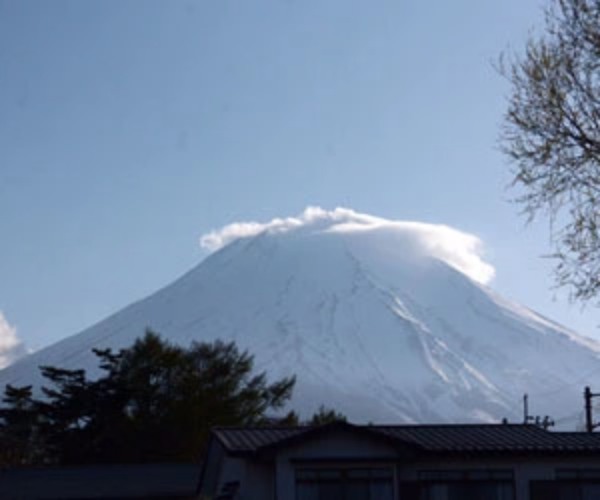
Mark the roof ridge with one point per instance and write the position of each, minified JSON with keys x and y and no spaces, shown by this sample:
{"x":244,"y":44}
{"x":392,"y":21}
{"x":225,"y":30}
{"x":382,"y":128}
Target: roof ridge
{"x":260,"y":427}
{"x":375,"y":426}
{"x":474,"y":424}
{"x":434,"y":438}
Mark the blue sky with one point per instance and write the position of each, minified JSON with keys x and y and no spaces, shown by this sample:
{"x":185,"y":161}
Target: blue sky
{"x":130,"y":128}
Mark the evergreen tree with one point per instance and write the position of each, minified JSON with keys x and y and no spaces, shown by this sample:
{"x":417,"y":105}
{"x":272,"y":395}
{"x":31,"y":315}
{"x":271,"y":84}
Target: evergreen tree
{"x":18,"y":428}
{"x":326,"y":416}
{"x":155,"y":402}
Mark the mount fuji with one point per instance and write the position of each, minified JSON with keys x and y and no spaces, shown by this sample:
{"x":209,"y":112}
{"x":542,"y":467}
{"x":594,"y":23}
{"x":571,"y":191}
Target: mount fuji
{"x":385,"y":321}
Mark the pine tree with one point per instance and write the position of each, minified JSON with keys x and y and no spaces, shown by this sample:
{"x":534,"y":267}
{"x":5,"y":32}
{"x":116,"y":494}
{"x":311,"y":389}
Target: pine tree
{"x":155,"y":402}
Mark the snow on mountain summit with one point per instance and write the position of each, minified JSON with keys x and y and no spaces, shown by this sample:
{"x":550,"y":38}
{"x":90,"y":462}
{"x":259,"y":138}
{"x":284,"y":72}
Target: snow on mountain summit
{"x":382,"y":320}
{"x":458,"y":249}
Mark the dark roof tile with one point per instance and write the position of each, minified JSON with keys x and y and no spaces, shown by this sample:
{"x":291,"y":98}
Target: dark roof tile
{"x":467,"y":438}
{"x":250,"y":439}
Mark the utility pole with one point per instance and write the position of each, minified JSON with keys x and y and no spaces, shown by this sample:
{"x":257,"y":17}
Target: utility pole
{"x":587,"y":396}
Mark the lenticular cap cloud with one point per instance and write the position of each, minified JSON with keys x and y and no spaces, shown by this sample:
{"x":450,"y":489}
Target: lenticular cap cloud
{"x":11,"y":347}
{"x":461,"y":250}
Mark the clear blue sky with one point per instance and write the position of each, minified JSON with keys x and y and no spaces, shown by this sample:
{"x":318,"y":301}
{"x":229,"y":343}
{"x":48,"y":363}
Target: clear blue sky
{"x":129,"y":128}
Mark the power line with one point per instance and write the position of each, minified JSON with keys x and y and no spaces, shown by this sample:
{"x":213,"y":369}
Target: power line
{"x":567,"y":385}
{"x":577,"y":415}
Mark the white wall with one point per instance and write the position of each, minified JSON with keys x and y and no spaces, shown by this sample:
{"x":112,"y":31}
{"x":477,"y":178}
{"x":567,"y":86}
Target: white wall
{"x":334,"y":448}
{"x":524,"y":470}
{"x":264,"y":480}
{"x":259,"y":482}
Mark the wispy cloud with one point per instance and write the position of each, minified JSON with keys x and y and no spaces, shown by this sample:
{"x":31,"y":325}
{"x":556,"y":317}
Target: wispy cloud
{"x":463,"y":251}
{"x":11,"y":347}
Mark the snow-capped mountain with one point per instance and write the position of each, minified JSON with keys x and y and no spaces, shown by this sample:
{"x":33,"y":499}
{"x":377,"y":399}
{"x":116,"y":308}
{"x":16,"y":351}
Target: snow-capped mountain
{"x":382,"y":320}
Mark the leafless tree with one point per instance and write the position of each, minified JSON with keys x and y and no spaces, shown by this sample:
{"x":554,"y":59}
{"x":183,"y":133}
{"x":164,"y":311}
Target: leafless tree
{"x":551,"y":133}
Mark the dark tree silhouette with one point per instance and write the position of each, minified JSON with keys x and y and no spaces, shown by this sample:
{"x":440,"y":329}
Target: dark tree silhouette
{"x":18,"y":444}
{"x":155,"y":402}
{"x":326,"y":416}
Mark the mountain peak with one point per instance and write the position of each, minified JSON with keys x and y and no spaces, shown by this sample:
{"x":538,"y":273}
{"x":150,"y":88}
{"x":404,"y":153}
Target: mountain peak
{"x":398,"y":238}
{"x":383,"y":320}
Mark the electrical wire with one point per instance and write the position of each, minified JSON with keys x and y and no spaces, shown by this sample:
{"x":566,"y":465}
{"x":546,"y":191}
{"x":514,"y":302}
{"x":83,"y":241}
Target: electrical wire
{"x":551,"y":392}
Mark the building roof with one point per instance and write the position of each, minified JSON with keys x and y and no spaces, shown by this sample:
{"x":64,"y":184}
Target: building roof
{"x":101,"y":481}
{"x":423,"y":439}
{"x":252,"y":439}
{"x":491,"y":438}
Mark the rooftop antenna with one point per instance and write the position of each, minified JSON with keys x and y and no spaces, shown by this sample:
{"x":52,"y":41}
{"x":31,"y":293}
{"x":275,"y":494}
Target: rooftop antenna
{"x":527,"y":418}
{"x":545,"y":423}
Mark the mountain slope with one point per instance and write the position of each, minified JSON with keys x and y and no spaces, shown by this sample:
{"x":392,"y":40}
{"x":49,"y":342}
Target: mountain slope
{"x":373,"y":318}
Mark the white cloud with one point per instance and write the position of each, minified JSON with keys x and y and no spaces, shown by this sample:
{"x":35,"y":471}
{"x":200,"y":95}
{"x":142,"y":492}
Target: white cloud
{"x":11,"y":347}
{"x":461,"y":250}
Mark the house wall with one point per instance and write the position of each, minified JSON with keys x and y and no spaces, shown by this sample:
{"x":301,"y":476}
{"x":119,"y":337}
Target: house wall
{"x":212,"y":467}
{"x":335,"y":448}
{"x":123,"y":481}
{"x":276,"y":479}
{"x":220,"y":469}
{"x":259,"y":483}
{"x":232,"y":469}
{"x":546,"y":470}
{"x":256,"y":478}
{"x":524,"y":469}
